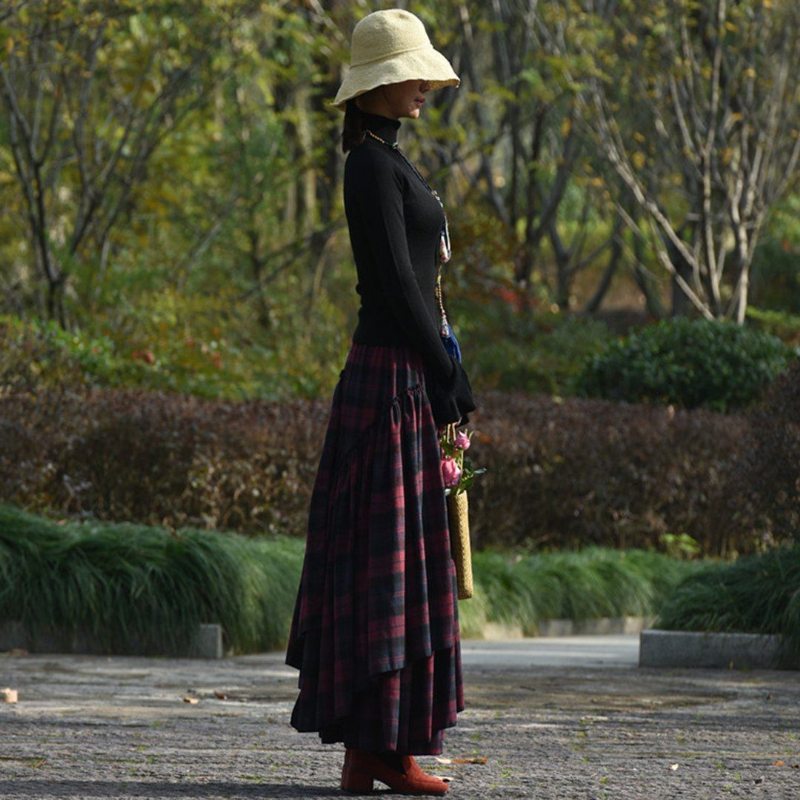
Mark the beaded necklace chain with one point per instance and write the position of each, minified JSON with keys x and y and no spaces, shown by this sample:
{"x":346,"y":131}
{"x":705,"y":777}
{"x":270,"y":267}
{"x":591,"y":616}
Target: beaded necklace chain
{"x":444,"y":237}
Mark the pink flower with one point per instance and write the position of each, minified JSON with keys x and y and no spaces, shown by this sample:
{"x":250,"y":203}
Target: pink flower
{"x":462,"y":440}
{"x":451,"y":472}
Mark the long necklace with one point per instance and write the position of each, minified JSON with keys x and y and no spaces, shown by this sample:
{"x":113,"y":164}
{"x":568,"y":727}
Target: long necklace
{"x":444,"y":237}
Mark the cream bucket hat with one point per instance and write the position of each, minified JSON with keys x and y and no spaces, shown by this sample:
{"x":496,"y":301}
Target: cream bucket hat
{"x":389,"y":47}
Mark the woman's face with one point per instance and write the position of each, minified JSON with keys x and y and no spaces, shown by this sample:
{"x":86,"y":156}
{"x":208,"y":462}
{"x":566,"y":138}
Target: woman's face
{"x":407,"y":98}
{"x":403,"y":99}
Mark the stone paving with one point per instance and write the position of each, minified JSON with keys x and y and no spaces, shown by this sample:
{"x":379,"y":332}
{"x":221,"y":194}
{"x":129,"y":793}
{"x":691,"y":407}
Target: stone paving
{"x":95,"y":727}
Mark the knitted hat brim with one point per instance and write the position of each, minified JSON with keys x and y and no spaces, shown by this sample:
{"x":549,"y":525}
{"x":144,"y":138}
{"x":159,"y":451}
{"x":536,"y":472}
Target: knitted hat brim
{"x":424,"y":64}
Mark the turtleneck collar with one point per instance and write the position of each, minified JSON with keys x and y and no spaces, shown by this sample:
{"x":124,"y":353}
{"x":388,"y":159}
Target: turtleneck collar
{"x":382,"y":126}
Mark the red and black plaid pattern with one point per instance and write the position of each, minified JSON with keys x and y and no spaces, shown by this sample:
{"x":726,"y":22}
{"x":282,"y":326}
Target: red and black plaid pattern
{"x":375,"y":629}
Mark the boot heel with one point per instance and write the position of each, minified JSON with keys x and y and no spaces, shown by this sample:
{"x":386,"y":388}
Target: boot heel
{"x":355,"y":781}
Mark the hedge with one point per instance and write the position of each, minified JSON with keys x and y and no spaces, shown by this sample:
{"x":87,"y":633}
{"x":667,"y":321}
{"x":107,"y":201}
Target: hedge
{"x":689,"y":363}
{"x":560,"y":473}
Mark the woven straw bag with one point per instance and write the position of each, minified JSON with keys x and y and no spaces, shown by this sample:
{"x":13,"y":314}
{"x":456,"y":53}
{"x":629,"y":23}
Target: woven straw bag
{"x":458,"y":518}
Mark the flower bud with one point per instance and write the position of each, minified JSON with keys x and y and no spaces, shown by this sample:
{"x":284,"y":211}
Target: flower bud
{"x":451,"y":472}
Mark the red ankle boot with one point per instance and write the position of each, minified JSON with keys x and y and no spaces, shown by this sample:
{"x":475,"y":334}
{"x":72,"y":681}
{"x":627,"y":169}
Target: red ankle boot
{"x":362,"y":768}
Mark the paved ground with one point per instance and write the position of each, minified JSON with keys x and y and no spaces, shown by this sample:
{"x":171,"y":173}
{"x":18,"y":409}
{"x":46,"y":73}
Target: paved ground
{"x":558,"y":651}
{"x":556,"y":719}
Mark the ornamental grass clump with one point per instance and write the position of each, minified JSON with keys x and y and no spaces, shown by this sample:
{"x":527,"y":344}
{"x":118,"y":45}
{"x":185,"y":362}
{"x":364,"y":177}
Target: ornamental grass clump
{"x":144,"y":588}
{"x":134,"y":588}
{"x":756,"y":594}
{"x":601,"y":582}
{"x":589,"y":584}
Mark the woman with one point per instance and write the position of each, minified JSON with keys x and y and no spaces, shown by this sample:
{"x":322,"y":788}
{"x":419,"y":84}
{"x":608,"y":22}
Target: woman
{"x":375,"y":629}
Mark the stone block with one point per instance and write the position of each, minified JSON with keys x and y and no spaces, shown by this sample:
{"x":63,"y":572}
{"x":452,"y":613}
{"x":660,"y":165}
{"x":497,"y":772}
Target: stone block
{"x":658,"y":648}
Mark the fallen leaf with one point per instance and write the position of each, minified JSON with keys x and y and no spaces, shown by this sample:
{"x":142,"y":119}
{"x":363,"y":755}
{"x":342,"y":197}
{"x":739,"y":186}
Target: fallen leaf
{"x":220,"y":695}
{"x":673,"y":767}
{"x":191,"y":700}
{"x":8,"y":696}
{"x":462,"y":760}
{"x":778,"y":763}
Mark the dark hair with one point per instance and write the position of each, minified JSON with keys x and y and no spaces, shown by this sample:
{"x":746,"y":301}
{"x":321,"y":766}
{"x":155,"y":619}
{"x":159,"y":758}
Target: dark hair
{"x":353,"y":129}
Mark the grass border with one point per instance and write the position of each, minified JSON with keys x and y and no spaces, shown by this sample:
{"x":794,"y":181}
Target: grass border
{"x":128,"y":583}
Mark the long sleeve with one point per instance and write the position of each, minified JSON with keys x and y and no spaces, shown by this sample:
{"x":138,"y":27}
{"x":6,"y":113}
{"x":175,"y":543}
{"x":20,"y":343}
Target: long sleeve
{"x":395,"y":224}
{"x":379,"y":197}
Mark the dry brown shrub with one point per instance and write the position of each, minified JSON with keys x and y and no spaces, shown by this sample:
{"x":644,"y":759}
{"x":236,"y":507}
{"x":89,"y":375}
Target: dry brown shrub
{"x":560,"y":472}
{"x":576,"y":472}
{"x":161,"y":459}
{"x":765,"y":493}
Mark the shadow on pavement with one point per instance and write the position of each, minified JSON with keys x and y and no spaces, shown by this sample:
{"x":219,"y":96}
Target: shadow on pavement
{"x":155,"y":790}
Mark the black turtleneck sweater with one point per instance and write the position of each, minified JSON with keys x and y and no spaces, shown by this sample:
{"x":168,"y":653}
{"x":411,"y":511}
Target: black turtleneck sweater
{"x":395,"y":225}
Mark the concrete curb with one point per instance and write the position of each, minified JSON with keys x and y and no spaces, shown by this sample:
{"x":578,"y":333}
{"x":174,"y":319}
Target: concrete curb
{"x":658,"y":648}
{"x":206,"y":643}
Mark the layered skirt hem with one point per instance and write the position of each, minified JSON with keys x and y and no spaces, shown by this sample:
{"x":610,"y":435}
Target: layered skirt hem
{"x":375,"y":629}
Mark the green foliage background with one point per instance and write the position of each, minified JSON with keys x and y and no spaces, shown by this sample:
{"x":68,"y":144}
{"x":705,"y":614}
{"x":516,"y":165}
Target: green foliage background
{"x":170,"y":179}
{"x":187,"y":168}
{"x":689,"y":363}
{"x":170,"y":176}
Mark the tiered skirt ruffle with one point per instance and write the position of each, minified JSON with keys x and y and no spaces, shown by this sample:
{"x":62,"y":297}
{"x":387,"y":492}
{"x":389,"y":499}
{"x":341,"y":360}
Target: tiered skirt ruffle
{"x":375,"y":628}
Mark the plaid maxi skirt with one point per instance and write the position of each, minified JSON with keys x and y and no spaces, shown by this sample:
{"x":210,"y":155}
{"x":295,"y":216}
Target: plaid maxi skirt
{"x":375,"y":628}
